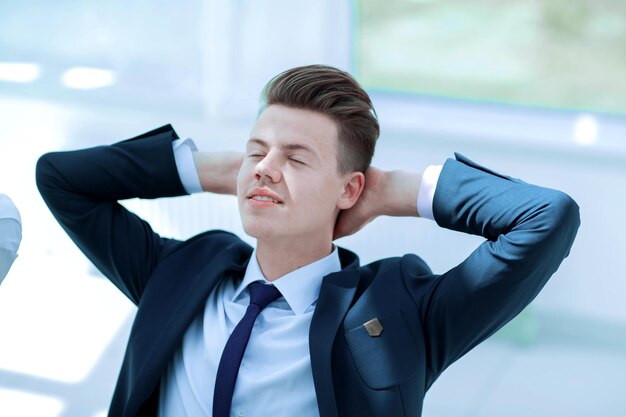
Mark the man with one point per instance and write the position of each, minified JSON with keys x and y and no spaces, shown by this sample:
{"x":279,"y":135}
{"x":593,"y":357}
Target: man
{"x":10,"y":234}
{"x":297,"y":326}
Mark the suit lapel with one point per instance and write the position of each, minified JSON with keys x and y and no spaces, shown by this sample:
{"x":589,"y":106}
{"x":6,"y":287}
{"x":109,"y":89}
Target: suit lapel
{"x":152,"y":350}
{"x":336,"y":295}
{"x":160,"y":344}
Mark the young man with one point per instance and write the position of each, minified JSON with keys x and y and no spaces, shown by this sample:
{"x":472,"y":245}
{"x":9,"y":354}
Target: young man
{"x":297,"y":326}
{"x":10,"y":234}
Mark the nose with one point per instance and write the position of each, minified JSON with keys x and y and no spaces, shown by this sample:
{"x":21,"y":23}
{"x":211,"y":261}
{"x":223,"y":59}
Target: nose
{"x":267,"y":167}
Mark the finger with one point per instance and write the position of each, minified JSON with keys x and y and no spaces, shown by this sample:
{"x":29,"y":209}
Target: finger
{"x":343,"y":226}
{"x":339,"y":230}
{"x":348,"y":224}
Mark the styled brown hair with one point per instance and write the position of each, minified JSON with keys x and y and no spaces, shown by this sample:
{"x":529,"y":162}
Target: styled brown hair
{"x":335,"y":93}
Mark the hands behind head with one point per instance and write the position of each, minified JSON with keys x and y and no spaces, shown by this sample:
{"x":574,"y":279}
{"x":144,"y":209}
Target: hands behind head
{"x":389,"y":193}
{"x":369,"y":205}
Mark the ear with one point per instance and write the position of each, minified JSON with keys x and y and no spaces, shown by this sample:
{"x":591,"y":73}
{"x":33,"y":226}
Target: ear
{"x":352,"y":188}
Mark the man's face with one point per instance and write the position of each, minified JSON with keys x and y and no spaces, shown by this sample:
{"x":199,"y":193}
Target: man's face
{"x":288,"y":186}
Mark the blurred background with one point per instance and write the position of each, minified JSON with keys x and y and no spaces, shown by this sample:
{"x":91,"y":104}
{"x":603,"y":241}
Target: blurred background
{"x":533,"y":89}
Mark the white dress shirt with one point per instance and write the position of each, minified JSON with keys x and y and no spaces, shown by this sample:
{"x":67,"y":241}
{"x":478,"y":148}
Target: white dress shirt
{"x":275,"y":378}
{"x":10,"y":234}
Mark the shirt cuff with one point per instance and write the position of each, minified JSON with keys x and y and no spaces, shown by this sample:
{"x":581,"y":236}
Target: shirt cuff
{"x":183,"y":155}
{"x":426,"y":194}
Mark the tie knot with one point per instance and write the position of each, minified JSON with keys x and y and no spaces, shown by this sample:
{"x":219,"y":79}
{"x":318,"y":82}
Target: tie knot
{"x":261,"y":294}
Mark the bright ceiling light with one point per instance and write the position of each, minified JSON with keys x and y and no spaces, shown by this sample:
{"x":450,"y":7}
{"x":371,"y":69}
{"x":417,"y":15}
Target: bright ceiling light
{"x":18,"y":72}
{"x":84,"y":78}
{"x":585,"y":130}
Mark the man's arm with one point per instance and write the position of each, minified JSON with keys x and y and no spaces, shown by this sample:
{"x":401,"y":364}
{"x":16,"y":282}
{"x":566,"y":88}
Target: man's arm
{"x":529,"y":230}
{"x":217,"y":171}
{"x":82,"y":189}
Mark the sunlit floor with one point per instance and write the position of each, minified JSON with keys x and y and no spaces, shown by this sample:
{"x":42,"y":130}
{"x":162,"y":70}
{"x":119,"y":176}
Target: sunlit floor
{"x":63,"y":328}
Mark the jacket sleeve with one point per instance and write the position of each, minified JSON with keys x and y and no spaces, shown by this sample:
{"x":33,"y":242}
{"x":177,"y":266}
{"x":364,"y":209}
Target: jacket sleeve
{"x":529,"y":230}
{"x":82,"y":189}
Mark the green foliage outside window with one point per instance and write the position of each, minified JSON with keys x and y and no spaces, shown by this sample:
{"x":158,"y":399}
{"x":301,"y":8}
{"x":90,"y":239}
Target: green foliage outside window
{"x":551,"y":53}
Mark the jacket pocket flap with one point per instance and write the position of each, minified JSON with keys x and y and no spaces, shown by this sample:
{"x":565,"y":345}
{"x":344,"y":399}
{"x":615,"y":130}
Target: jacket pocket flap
{"x":387,"y":359}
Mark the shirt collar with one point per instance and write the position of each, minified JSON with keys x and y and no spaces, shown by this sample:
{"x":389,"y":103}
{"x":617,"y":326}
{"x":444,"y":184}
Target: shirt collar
{"x":300,"y":287}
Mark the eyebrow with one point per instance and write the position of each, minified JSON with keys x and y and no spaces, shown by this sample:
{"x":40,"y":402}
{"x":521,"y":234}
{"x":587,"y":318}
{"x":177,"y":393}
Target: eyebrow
{"x":286,"y":146}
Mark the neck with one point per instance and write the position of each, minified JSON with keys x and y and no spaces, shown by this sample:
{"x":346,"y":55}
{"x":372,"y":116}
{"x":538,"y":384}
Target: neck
{"x":279,"y":258}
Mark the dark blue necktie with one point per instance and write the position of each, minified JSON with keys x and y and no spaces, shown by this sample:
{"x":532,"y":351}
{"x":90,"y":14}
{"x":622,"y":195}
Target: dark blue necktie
{"x":260,"y":296}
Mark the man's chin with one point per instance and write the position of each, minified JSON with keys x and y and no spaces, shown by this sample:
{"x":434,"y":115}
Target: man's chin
{"x":261,"y":231}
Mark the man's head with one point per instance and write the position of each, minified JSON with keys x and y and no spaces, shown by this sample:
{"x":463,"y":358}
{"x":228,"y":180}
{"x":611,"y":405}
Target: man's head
{"x":313,"y":139}
{"x":335,"y":94}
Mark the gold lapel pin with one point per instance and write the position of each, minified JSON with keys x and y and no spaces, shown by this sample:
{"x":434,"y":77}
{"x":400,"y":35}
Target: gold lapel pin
{"x":373,"y":327}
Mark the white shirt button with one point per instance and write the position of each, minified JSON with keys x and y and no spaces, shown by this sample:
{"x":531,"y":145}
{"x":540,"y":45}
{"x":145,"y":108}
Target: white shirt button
{"x":240,"y":412}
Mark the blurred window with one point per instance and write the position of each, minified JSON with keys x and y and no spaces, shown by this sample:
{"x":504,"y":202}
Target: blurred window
{"x":143,"y":55}
{"x":559,"y":53}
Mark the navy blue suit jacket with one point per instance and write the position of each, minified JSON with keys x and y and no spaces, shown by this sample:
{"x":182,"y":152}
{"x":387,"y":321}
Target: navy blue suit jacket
{"x":429,"y":320}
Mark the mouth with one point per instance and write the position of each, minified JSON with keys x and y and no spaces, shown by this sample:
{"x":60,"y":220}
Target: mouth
{"x":264,"y":198}
{"x":260,"y":196}
{"x":258,"y":201}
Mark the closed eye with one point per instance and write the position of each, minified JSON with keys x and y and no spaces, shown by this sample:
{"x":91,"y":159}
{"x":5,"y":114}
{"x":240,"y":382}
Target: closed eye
{"x":297,"y":161}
